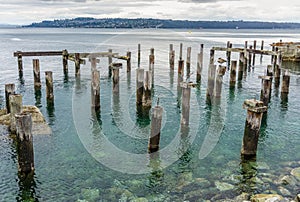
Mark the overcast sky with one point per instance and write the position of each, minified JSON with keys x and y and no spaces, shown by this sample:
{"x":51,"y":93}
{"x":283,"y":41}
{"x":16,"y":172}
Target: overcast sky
{"x":28,"y":11}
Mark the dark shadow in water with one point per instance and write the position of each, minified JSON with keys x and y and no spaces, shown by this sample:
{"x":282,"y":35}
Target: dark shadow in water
{"x":292,"y":66}
{"x":77,"y":83}
{"x":38,"y":96}
{"x":142,"y":115}
{"x":156,"y":176}
{"x":66,"y":77}
{"x":50,"y":110}
{"x":179,"y":95}
{"x":128,"y":80}
{"x":248,"y":170}
{"x":27,"y":186}
{"x":239,"y":84}
{"x":185,"y":151}
{"x":231,"y":94}
{"x":263,"y":128}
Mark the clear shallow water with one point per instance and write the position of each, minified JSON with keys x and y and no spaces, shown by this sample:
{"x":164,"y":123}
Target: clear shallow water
{"x":67,"y":162}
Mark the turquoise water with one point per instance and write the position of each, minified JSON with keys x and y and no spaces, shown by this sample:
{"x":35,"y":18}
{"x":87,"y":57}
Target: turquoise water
{"x":104,"y":156}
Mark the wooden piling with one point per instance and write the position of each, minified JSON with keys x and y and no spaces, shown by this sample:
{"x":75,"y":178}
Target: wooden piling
{"x":219,"y":80}
{"x":9,"y":90}
{"x":95,"y":89}
{"x":250,"y":57}
{"x":156,"y":120}
{"x":180,"y":51}
{"x":241,"y":66}
{"x":277,"y":76}
{"x":233,"y":74}
{"x":200,"y":63}
{"x":255,"y":110}
{"x":185,"y":103}
{"x":65,"y":56}
{"x":285,"y":83}
{"x":151,"y":64}
{"x":171,"y":57}
{"x":36,"y":73}
{"x":212,"y":57}
{"x":49,"y":86}
{"x":139,"y":86}
{"x":20,"y":65}
{"x":272,"y":57}
{"x":139,"y":55}
{"x":77,"y":64}
{"x":128,"y":61}
{"x":275,"y":59}
{"x":15,"y":105}
{"x":188,"y":61}
{"x":116,"y":72}
{"x":210,"y":82}
{"x":228,"y":53}
{"x":147,"y":102}
{"x":109,"y":62}
{"x":180,"y":72}
{"x":246,"y":55}
{"x":24,"y":143}
{"x":254,"y":47}
{"x":265,"y":92}
{"x":261,"y":48}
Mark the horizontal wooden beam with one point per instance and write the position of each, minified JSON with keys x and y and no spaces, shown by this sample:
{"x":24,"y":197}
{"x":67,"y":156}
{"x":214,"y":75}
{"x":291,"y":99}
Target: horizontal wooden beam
{"x":72,"y":58}
{"x":38,"y":53}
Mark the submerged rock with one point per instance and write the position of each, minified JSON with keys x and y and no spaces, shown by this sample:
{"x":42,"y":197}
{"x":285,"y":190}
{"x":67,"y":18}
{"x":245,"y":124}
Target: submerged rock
{"x":223,"y":186}
{"x":296,"y":173}
{"x":287,"y":180}
{"x":297,"y":199}
{"x":91,"y":195}
{"x":266,"y":198}
{"x":39,"y":125}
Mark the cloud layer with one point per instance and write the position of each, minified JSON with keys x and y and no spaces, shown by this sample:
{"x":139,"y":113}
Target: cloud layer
{"x":26,"y":12}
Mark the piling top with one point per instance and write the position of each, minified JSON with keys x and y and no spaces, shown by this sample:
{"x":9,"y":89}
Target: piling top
{"x":254,"y":105}
{"x":268,"y":78}
{"x":116,"y":65}
{"x":157,"y":112}
{"x":187,"y":85}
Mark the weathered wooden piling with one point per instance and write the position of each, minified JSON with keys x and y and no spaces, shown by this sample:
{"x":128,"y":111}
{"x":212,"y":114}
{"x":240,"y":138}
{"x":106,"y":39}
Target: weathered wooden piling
{"x":156,"y":120}
{"x":255,"y":110}
{"x":139,"y":55}
{"x":253,"y":57}
{"x":277,"y":76}
{"x":219,"y":80}
{"x":15,"y":105}
{"x":24,"y":143}
{"x":109,"y":62}
{"x":116,"y":72}
{"x":270,"y":71}
{"x":250,"y":57}
{"x":180,"y":51}
{"x":272,"y":57}
{"x":275,"y":58}
{"x":232,"y":81}
{"x":212,"y":57}
{"x":185,"y":102}
{"x":265,"y":93}
{"x":228,"y":53}
{"x":188,"y":61}
{"x":49,"y":86}
{"x":139,"y":86}
{"x":246,"y":55}
{"x":65,"y":56}
{"x":241,"y":66}
{"x":128,"y":61}
{"x":9,"y":89}
{"x":171,"y":57}
{"x":285,"y":84}
{"x":200,"y":63}
{"x":20,"y":64}
{"x":93,"y":63}
{"x":36,"y":73}
{"x":147,"y":101}
{"x":261,"y":48}
{"x":210,"y":82}
{"x":95,"y":89}
{"x":180,"y":72}
{"x":151,"y":64}
{"x":77,"y":64}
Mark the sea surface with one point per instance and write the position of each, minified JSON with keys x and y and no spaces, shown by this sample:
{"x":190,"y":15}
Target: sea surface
{"x":102,"y":156}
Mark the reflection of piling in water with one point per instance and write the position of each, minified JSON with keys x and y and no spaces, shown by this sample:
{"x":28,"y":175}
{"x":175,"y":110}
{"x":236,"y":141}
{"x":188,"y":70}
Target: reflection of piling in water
{"x":15,"y":105}
{"x":241,"y":66}
{"x":285,"y":86}
{"x":36,"y":73}
{"x":156,"y":120}
{"x":265,"y":93}
{"x":95,"y":90}
{"x":255,"y":110}
{"x":65,"y":56}
{"x":147,"y":90}
{"x":188,"y":61}
{"x":49,"y":86}
{"x":185,"y":108}
{"x":24,"y":143}
{"x":115,"y":67}
{"x":200,"y":64}
{"x":9,"y":89}
{"x":77,"y":64}
{"x":233,"y":74}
